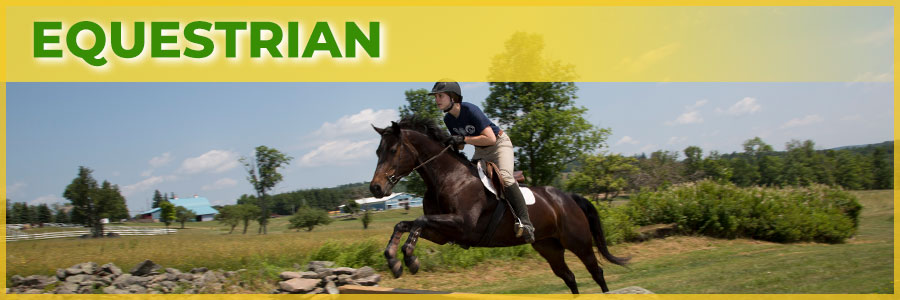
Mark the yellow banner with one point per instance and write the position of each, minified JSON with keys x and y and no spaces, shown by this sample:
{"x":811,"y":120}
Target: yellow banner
{"x":426,"y":43}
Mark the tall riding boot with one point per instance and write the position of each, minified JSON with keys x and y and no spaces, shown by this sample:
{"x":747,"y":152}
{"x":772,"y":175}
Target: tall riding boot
{"x":515,"y":198}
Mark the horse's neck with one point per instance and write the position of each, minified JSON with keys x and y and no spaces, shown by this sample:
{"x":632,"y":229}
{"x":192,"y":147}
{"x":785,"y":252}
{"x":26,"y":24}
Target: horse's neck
{"x":435,"y":172}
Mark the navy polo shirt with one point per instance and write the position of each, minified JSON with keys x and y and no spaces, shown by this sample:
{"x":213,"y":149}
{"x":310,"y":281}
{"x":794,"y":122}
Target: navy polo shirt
{"x":471,"y":121}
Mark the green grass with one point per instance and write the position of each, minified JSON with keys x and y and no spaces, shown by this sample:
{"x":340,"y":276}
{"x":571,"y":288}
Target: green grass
{"x":678,"y":265}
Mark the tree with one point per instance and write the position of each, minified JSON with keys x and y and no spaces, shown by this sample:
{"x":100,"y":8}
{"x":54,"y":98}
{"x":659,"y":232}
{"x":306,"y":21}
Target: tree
{"x":247,"y":213}
{"x":798,"y":163}
{"x":61,"y":215}
{"x":21,"y":213}
{"x":366,"y":219}
{"x":166,"y":213}
{"x":183,"y":215}
{"x":693,"y":163}
{"x":43,"y":214}
{"x":540,"y":118}
{"x":661,"y":169}
{"x":117,"y":209}
{"x":716,"y":167}
{"x":263,"y":176}
{"x":157,"y":198}
{"x":418,"y":103}
{"x":309,"y":218}
{"x":352,"y":207}
{"x":230,"y":216}
{"x":9,"y":215}
{"x":89,"y":204}
{"x":599,"y":173}
{"x":884,"y":172}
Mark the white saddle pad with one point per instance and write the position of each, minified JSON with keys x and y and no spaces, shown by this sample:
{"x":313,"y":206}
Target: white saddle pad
{"x":526,"y":192}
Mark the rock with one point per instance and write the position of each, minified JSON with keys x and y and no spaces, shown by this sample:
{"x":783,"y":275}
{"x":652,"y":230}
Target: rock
{"x":138,"y":280}
{"x":199,"y":270}
{"x":317,"y":290}
{"x":89,"y":268}
{"x":159,"y":278}
{"x":312,"y":275}
{"x":185,"y":276}
{"x":61,"y":274}
{"x":113,"y":290}
{"x":369,"y":281}
{"x":289,"y":275}
{"x":85,"y":289}
{"x":230,"y":274}
{"x":343,"y":271}
{"x":74,"y":270}
{"x":66,"y":288}
{"x":364,"y":272}
{"x":77,"y":279}
{"x":33,"y":291}
{"x":36,"y":281}
{"x":313,"y":265}
{"x":298,"y":285}
{"x":331,"y":278}
{"x":122,"y":281}
{"x":209,"y":277}
{"x":173,"y":271}
{"x":110,"y":268}
{"x":323,"y":272}
{"x":168,"y":286}
{"x":331,"y":288}
{"x":137,"y":289}
{"x":171,"y":277}
{"x":106,"y":280}
{"x":344,"y":279}
{"x":145,"y":268}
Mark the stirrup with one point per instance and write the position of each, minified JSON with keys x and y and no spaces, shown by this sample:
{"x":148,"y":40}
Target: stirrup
{"x":520,"y":232}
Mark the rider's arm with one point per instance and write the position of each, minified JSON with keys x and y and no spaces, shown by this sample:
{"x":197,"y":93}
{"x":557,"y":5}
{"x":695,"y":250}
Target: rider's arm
{"x":487,"y":138}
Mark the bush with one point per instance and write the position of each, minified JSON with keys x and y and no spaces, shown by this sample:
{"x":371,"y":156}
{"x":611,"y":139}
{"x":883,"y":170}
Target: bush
{"x":816,"y":213}
{"x":309,"y":218}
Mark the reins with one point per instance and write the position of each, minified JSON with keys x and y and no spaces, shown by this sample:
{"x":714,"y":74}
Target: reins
{"x":393,"y":179}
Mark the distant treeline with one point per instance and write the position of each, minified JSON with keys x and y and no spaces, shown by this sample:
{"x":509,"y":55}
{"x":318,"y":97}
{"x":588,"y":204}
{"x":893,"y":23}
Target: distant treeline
{"x":854,"y":167}
{"x":324,"y":198}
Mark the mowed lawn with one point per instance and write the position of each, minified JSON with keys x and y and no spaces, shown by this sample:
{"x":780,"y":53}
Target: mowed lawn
{"x":675,"y":265}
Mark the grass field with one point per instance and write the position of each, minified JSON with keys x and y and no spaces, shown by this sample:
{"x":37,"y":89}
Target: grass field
{"x":675,"y":265}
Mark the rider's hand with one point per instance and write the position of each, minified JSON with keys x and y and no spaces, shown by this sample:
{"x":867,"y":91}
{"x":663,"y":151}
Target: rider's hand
{"x":456,"y":140}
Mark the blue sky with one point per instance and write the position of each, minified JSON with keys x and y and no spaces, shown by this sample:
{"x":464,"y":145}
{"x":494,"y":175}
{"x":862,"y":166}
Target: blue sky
{"x":186,"y":137}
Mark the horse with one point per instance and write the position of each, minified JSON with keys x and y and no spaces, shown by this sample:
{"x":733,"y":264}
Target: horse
{"x":458,"y":207}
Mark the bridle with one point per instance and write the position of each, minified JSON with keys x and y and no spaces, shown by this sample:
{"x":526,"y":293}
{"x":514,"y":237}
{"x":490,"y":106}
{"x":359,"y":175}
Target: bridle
{"x":393,"y":179}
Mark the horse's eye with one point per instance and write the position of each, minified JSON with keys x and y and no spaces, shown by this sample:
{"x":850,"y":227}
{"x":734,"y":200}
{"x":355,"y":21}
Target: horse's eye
{"x":394,"y":150}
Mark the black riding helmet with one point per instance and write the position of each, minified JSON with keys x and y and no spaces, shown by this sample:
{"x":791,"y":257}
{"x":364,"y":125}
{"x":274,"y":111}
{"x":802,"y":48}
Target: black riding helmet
{"x":447,"y":87}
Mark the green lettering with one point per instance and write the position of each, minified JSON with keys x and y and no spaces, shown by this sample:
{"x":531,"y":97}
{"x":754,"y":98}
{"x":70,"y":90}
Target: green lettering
{"x":117,"y":40}
{"x":321,"y":30}
{"x":40,"y":39}
{"x":231,"y":29}
{"x":293,"y":39}
{"x":157,"y":39}
{"x":257,"y":43}
{"x":355,"y":35}
{"x":88,"y":55}
{"x":191,"y":36}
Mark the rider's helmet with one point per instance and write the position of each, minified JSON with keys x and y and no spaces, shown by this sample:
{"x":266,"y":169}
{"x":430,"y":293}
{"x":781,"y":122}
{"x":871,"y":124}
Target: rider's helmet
{"x":449,"y":87}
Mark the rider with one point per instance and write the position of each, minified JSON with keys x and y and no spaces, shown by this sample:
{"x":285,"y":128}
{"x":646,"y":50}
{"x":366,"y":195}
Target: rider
{"x":468,"y":125}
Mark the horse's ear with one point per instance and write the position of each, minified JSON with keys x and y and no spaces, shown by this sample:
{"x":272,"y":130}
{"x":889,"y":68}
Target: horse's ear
{"x":380,"y":131}
{"x":395,"y":127}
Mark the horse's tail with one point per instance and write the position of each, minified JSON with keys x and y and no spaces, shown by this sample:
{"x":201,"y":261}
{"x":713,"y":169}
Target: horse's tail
{"x":597,"y":230}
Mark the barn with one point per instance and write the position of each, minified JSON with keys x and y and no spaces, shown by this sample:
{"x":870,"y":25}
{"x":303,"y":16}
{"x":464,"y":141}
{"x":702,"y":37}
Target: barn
{"x":394,"y":201}
{"x":200,"y":206}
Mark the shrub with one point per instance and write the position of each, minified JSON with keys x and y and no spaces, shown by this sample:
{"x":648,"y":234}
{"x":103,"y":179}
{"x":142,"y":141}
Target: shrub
{"x":816,"y":213}
{"x":309,"y":218}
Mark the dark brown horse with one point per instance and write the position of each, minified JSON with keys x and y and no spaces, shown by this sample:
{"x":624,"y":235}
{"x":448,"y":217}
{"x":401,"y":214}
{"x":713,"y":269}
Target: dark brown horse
{"x":458,"y":208}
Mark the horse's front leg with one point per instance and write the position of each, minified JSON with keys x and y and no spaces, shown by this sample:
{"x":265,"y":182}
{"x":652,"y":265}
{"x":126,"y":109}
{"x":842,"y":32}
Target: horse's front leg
{"x":437,"y":228}
{"x":391,"y":251}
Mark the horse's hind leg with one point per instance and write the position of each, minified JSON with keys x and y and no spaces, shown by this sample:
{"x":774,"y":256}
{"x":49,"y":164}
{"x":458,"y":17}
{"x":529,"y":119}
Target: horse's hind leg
{"x":590,"y":262}
{"x":390,"y":252}
{"x":554,"y":253}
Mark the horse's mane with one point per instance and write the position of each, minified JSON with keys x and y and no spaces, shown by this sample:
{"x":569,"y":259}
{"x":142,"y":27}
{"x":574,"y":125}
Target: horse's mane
{"x":430,"y":128}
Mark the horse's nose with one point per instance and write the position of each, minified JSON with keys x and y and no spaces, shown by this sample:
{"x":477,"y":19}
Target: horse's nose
{"x":376,"y":190}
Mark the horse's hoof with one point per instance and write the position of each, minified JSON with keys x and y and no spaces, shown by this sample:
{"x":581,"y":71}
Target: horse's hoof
{"x":412,"y":263}
{"x":396,"y":267}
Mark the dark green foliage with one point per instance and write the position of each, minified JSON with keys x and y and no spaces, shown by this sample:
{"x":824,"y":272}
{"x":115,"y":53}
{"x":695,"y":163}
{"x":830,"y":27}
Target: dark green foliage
{"x":21,"y":214}
{"x":263,"y":175}
{"x":43,"y":214}
{"x":157,"y":198}
{"x":325,"y":198}
{"x":309,"y":218}
{"x":167,"y":213}
{"x":61,"y":216}
{"x":366,"y":219}
{"x":91,"y":202}
{"x":183,"y":215}
{"x":816,"y":213}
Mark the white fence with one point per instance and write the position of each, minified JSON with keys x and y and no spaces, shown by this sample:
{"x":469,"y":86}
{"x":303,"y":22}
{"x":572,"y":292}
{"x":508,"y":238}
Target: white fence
{"x":15,"y":235}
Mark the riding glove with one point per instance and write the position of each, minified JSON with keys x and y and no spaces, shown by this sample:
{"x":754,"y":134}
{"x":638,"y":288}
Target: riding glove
{"x":456,"y":140}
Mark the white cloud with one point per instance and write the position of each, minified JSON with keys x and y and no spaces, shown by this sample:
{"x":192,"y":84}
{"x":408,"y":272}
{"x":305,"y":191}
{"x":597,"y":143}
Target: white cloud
{"x":745,"y":106}
{"x":676,"y":140}
{"x":697,"y":104}
{"x":161,"y":160}
{"x":147,"y":173}
{"x":873,"y":77}
{"x":880,"y":36}
{"x":357,"y":123}
{"x":807,"y":120}
{"x":46,"y":199}
{"x":214,"y":161}
{"x":15,"y":188}
{"x":220,"y":184}
{"x":145,"y":184}
{"x":627,"y":140}
{"x":338,"y":152}
{"x":690,"y":117}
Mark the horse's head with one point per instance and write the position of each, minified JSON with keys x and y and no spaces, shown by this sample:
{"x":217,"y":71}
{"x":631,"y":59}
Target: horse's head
{"x":395,"y":159}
